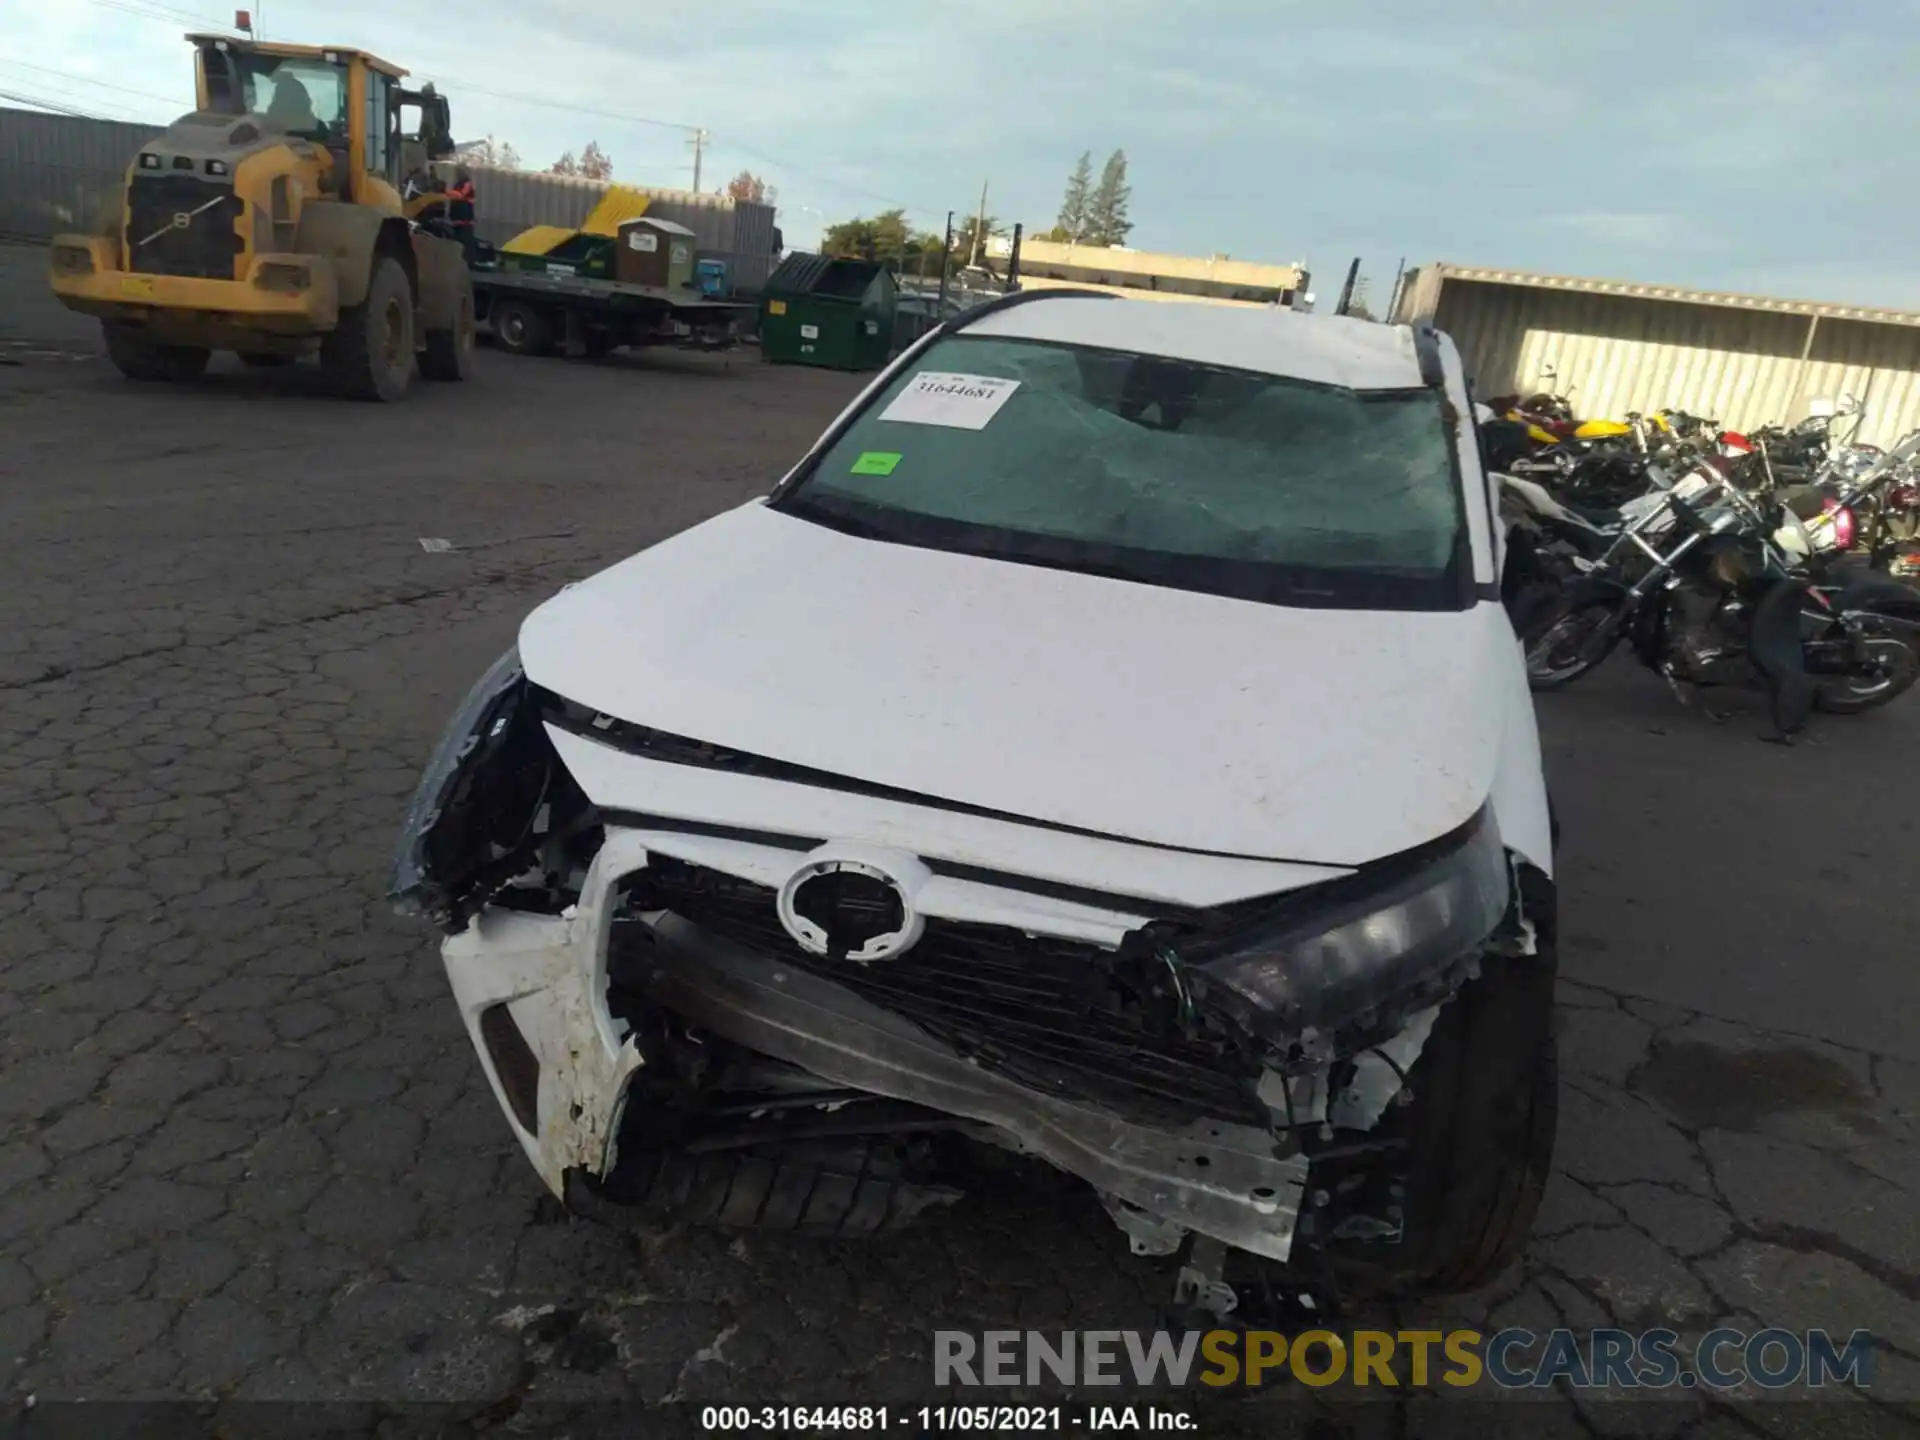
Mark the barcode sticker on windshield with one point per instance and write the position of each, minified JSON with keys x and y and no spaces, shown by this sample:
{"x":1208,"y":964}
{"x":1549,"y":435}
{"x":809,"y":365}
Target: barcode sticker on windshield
{"x":960,"y":402}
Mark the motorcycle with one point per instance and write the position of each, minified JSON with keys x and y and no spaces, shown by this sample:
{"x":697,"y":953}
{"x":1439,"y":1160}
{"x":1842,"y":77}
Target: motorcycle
{"x":1713,"y":587}
{"x":1791,"y":453}
{"x":1887,"y":517}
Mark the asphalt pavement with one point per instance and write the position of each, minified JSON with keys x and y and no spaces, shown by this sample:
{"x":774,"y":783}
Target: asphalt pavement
{"x":247,"y":1152}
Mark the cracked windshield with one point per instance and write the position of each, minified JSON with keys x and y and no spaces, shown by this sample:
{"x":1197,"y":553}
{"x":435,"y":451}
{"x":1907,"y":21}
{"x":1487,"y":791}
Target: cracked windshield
{"x":1120,"y":454}
{"x":1036,"y":721}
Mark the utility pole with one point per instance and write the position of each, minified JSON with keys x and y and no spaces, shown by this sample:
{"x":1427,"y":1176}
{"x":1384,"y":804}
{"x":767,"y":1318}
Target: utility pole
{"x":1346,"y":291}
{"x":946,"y":253}
{"x":699,"y":143}
{"x":979,"y":228}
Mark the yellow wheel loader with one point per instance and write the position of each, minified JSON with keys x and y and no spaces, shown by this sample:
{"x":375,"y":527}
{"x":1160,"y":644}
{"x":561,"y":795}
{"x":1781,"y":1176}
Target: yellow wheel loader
{"x":271,"y":222}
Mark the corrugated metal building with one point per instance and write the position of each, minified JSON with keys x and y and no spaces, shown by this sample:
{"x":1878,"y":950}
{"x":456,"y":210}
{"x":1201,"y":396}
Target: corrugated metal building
{"x":1613,"y":346}
{"x":1151,"y":274}
{"x":59,"y":172}
{"x":739,"y":232}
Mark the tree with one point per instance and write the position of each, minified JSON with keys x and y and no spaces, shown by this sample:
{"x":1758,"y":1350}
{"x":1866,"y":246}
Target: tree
{"x":963,"y":239}
{"x":1073,"y":205}
{"x":923,"y":254}
{"x":1107,"y":222}
{"x":495,"y":153}
{"x":593,"y":163}
{"x":885,"y":236}
{"x":751,"y":187}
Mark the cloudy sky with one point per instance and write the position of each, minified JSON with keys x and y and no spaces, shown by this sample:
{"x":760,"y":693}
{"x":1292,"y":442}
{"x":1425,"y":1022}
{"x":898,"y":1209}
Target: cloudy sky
{"x":1759,"y":145}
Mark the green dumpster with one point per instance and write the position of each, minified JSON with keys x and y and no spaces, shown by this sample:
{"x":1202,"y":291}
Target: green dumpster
{"x":817,"y":310}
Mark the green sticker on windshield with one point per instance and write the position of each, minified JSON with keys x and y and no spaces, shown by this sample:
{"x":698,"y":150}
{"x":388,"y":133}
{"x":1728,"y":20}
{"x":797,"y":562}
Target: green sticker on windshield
{"x":875,"y":462}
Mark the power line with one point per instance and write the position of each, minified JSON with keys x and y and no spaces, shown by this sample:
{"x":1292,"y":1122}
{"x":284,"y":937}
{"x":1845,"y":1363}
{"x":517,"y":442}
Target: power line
{"x":890,"y":201}
{"x":88,"y":80}
{"x":55,"y":106}
{"x":155,"y":10}
{"x":166,"y":14}
{"x":457,"y":84}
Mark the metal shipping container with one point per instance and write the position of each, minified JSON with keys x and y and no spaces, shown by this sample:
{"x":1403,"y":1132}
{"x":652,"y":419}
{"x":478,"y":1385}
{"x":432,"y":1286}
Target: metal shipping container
{"x":62,"y":172}
{"x":1614,"y":346}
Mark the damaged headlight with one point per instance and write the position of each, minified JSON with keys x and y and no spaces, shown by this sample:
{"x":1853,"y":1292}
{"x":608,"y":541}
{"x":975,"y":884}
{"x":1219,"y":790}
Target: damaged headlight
{"x":477,"y":795}
{"x":1372,"y":940}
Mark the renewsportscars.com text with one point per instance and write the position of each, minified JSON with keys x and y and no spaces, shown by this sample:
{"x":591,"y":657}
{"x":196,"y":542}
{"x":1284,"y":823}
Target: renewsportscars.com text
{"x":1510,"y":1359}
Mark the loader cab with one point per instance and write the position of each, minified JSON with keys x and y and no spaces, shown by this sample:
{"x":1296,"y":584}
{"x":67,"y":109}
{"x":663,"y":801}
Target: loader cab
{"x":347,"y":101}
{"x":422,"y":131}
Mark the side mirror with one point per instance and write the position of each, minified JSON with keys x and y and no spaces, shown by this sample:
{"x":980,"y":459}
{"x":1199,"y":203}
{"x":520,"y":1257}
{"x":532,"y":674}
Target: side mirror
{"x":1849,"y":404}
{"x":436,"y":124}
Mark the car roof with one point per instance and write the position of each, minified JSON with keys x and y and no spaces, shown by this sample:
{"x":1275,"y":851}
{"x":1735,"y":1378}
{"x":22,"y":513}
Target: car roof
{"x":1270,"y":339}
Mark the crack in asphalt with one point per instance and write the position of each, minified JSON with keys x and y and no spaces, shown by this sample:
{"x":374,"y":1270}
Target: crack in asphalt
{"x":55,"y":673}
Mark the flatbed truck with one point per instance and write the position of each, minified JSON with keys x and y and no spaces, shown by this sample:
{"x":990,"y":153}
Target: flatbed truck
{"x":533,"y":313}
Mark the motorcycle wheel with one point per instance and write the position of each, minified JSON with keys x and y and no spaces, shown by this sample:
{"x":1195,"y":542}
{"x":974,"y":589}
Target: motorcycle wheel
{"x":1897,"y":668}
{"x":1565,"y":643}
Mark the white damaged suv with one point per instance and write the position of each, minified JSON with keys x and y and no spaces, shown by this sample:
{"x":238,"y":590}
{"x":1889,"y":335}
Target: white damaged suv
{"x":1108,"y":743}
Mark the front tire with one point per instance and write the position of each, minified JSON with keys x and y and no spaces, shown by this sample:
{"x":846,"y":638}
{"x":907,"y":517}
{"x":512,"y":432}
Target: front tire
{"x":1479,"y":1132}
{"x":369,"y":355}
{"x":1565,"y":643}
{"x":139,"y":357}
{"x":839,"y":1189}
{"x":449,"y":353}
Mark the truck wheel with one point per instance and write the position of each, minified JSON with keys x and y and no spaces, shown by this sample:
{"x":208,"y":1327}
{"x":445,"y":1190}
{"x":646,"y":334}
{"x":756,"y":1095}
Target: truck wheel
{"x":520,"y":328}
{"x":140,"y":358}
{"x":369,"y":355}
{"x":449,"y":353}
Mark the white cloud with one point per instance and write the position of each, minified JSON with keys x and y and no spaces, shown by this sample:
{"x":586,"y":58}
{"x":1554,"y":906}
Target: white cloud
{"x":1720,"y":143}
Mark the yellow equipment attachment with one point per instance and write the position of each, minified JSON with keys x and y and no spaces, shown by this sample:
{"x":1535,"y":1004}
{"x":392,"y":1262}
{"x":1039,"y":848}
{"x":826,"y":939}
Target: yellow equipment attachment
{"x":617,"y":206}
{"x":539,"y":240}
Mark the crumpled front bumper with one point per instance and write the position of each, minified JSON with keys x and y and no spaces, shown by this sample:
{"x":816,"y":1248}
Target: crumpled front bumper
{"x":550,"y":974}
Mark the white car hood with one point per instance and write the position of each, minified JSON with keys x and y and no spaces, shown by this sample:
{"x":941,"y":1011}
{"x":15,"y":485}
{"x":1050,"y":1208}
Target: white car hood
{"x":1134,"y":711}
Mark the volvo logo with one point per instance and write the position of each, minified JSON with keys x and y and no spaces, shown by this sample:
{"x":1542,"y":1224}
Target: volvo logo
{"x":181,"y":219}
{"x":854,"y":902}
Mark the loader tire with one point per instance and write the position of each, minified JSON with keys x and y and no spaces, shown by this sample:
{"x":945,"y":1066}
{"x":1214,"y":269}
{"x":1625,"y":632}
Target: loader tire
{"x":369,"y":354}
{"x":140,"y":358}
{"x":449,"y":353}
{"x":836,"y":1189}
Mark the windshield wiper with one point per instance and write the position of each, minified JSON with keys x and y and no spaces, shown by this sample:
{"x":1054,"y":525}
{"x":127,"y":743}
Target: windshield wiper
{"x":804,"y":509}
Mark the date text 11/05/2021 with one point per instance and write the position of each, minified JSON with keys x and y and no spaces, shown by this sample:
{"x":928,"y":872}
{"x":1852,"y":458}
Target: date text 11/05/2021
{"x":929,"y":1419}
